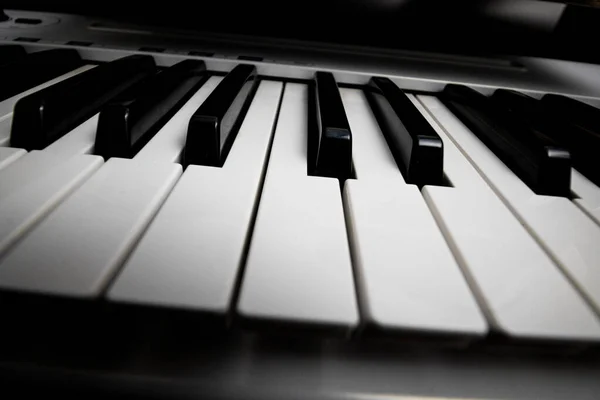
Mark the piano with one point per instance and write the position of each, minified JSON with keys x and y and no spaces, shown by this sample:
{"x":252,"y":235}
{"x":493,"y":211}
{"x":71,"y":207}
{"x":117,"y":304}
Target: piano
{"x":192,"y":212}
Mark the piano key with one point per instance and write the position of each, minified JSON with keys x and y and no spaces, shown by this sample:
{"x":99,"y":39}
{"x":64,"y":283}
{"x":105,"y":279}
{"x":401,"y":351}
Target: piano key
{"x":298,"y":271}
{"x":199,"y":269}
{"x":6,"y":106}
{"x":167,"y":145}
{"x":34,"y":185}
{"x":213,"y":127}
{"x":333,"y":145}
{"x":128,"y":122}
{"x":390,"y":230}
{"x":588,"y":193}
{"x":562,"y":229}
{"x":9,"y":154}
{"x":517,"y":288}
{"x":539,"y":161}
{"x":416,"y":147}
{"x":11,"y":53}
{"x":76,"y":250}
{"x":580,"y":132}
{"x":46,"y":115}
{"x":78,"y":141}
{"x":35,"y":69}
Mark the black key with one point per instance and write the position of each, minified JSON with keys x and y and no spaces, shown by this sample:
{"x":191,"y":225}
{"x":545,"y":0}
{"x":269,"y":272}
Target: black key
{"x":45,"y":116}
{"x":11,"y":53}
{"x":129,"y":121}
{"x":415,"y":145}
{"x":577,"y":125}
{"x":214,"y":125}
{"x":35,"y":69}
{"x":332,"y":153}
{"x":539,"y":161}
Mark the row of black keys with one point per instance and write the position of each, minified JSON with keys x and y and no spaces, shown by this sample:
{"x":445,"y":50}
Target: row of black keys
{"x":538,"y":139}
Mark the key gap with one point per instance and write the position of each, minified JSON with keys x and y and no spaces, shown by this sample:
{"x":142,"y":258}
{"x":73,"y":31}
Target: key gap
{"x":201,"y":53}
{"x":26,"y":39}
{"x":28,"y":21}
{"x":246,"y":249}
{"x":586,"y":212}
{"x":79,"y":43}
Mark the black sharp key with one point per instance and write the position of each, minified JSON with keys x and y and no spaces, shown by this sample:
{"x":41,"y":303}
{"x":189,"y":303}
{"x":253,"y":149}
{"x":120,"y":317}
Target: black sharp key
{"x":129,"y":121}
{"x":35,"y":69}
{"x":213,"y":127}
{"x":543,"y":164}
{"x":45,"y":116}
{"x":578,"y":127}
{"x":333,"y":144}
{"x":11,"y":53}
{"x":415,"y":145}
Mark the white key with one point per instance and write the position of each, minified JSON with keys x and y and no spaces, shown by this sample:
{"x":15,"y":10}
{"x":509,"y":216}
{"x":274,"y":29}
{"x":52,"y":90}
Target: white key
{"x":560,"y":227}
{"x":515,"y":280}
{"x":9,"y":155}
{"x":589,"y":195}
{"x":406,"y":274}
{"x":199,"y":269}
{"x":80,"y":140}
{"x":77,"y":248}
{"x":7,"y":106}
{"x":298,"y":267}
{"x":168,"y":143}
{"x":33,"y":185}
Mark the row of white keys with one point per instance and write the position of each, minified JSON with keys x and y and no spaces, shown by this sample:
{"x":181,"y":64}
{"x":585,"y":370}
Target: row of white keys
{"x":407,"y":278}
{"x":588,"y":193}
{"x":9,"y":154}
{"x":35,"y":184}
{"x":192,"y":251}
{"x":298,"y":268}
{"x":7,"y":106}
{"x":567,"y":234}
{"x":521,"y":290}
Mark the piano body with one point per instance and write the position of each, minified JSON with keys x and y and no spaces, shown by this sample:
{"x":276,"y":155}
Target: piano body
{"x":225,"y":216}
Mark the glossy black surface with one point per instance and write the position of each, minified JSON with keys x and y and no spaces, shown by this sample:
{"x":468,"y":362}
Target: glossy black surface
{"x":129,"y":121}
{"x":333,"y":143}
{"x":579,"y":129}
{"x":35,"y":69}
{"x":543,"y":164}
{"x":416,"y":147}
{"x":45,"y":116}
{"x":11,"y":53}
{"x":214,"y":126}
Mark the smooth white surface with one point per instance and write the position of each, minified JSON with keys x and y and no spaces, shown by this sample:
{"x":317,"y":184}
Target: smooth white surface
{"x":7,"y":106}
{"x":406,"y":275}
{"x":523,"y":292}
{"x":560,"y":227}
{"x":77,"y":248}
{"x":80,"y":140}
{"x":9,"y":155}
{"x":168,"y":143}
{"x":298,"y":266}
{"x":589,"y":195}
{"x":33,"y":185}
{"x":209,"y":212}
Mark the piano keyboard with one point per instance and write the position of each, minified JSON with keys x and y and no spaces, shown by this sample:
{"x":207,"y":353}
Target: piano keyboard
{"x":351,"y":209}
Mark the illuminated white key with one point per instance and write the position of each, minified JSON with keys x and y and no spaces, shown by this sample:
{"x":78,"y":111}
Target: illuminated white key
{"x":560,"y":227}
{"x":168,"y":143}
{"x":9,"y":154}
{"x":589,"y":195}
{"x":406,"y":274}
{"x":523,"y":293}
{"x":78,"y":247}
{"x":298,"y":268}
{"x":33,"y":185}
{"x":210,"y":213}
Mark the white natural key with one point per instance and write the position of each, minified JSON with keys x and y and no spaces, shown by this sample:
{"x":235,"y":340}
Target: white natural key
{"x":298,"y":268}
{"x":588,"y":193}
{"x":523,"y":293}
{"x":80,"y":140}
{"x":7,"y":106}
{"x":209,"y":213}
{"x":560,"y":227}
{"x":33,"y":185}
{"x":77,"y":248}
{"x":406,"y":274}
{"x":9,"y":154}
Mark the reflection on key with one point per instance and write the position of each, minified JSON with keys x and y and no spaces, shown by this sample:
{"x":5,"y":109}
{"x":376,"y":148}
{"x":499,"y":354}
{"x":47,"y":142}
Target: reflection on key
{"x":45,"y":116}
{"x":213,"y":127}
